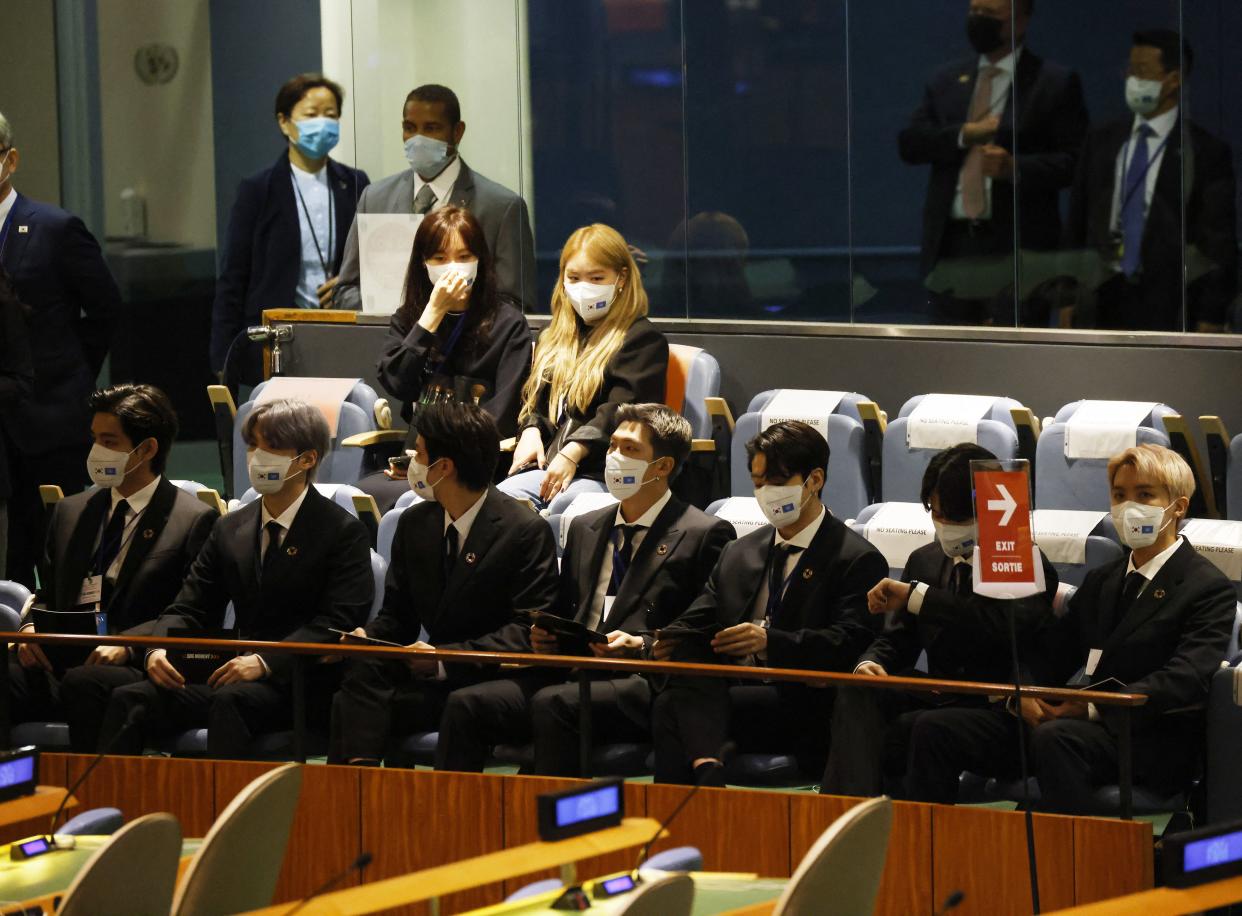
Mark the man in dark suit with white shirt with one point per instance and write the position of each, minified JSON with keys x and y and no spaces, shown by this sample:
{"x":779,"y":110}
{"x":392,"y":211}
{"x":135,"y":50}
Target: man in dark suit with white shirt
{"x":124,"y":547}
{"x":999,"y":121}
{"x":1133,"y":190}
{"x":468,"y":564}
{"x":792,"y":594}
{"x":432,"y":129}
{"x":1157,"y":621}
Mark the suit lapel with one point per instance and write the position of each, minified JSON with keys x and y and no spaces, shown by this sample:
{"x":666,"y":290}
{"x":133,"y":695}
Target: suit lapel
{"x":22,"y":227}
{"x":147,"y":532}
{"x":658,"y":545}
{"x":826,"y":544}
{"x":483,"y":533}
{"x":591,"y":558}
{"x":1153,"y":598}
{"x":300,"y":536}
{"x":80,"y":552}
{"x":246,"y":547}
{"x":462,"y":194}
{"x":752,"y":564}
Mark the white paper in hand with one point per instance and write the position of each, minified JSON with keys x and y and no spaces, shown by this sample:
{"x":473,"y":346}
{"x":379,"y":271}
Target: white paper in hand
{"x":385,"y":241}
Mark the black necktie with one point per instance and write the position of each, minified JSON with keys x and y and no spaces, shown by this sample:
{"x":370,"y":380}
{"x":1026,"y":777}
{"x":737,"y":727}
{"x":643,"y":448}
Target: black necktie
{"x":961,"y":580}
{"x":778,"y":558}
{"x":622,"y":554}
{"x":1130,"y":589}
{"x":273,"y":529}
{"x":450,"y":553}
{"x":110,"y":542}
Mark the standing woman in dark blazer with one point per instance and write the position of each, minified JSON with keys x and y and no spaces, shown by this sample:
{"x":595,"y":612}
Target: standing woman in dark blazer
{"x":599,"y":352}
{"x":454,"y":338}
{"x":288,"y":226}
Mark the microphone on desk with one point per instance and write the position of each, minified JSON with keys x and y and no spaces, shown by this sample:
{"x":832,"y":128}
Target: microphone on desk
{"x":136,"y":715}
{"x":703,"y":771}
{"x":358,"y":864}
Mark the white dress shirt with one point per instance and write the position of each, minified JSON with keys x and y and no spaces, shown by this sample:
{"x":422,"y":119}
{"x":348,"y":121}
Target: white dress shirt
{"x":802,"y":539}
{"x":1001,"y":82}
{"x":441,"y":185}
{"x":915,"y":602}
{"x":464,"y":522}
{"x":314,"y":191}
{"x":601,"y":605}
{"x":137,"y":505}
{"x":7,"y":204}
{"x":1162,"y":127}
{"x":284,"y":520}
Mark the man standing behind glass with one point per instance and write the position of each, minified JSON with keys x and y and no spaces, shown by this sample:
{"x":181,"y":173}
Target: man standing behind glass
{"x":1127,"y":200}
{"x":432,"y":128}
{"x":988,"y":123}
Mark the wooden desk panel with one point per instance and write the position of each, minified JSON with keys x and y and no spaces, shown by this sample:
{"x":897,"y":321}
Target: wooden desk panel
{"x":736,"y":829}
{"x":327,"y":828}
{"x":145,"y":785}
{"x":982,"y":852}
{"x":415,"y":819}
{"x":1111,"y":858}
{"x":906,"y":886}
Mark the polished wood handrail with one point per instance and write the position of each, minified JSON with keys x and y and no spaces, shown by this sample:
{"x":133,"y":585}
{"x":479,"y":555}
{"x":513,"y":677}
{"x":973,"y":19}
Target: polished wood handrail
{"x":590,"y":663}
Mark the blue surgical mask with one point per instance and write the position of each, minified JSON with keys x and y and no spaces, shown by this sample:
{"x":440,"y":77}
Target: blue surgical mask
{"x":428,"y":156}
{"x":317,"y":136}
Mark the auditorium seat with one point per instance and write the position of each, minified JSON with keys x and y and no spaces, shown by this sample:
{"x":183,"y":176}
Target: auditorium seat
{"x":1076,"y":541}
{"x":203,"y":493}
{"x":388,"y":524}
{"x":1225,"y":461}
{"x":47,"y":736}
{"x":929,"y":423}
{"x":135,"y":871}
{"x":672,"y":895}
{"x":1220,"y":542}
{"x":693,"y":377}
{"x":96,"y":822}
{"x":896,"y":529}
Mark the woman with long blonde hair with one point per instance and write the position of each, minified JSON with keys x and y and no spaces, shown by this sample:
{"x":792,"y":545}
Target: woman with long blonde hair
{"x":598,"y":353}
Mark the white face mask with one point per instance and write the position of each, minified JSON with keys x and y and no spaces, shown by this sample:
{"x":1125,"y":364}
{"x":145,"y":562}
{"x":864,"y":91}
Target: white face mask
{"x":427,"y":156}
{"x":269,"y":472}
{"x":955,"y":540}
{"x":591,"y":301}
{"x":1143,"y":96}
{"x":416,"y":475}
{"x":1138,"y":524}
{"x":624,"y":476}
{"x":106,"y":466}
{"x":468,"y":270}
{"x":782,"y":505}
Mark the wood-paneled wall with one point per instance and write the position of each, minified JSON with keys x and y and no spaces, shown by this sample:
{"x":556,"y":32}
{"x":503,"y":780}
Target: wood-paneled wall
{"x":411,"y":819}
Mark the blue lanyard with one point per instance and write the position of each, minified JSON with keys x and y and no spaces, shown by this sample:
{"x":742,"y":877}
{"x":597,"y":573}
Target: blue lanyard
{"x":775,"y":599}
{"x":448,"y":347}
{"x":1127,"y":192}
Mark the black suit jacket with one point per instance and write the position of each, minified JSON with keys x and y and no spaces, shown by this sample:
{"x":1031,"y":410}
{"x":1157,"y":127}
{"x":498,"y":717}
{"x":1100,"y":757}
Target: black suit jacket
{"x":58,"y":272}
{"x":262,"y":255}
{"x":966,"y":636}
{"x":1211,"y":229}
{"x":637,"y":373}
{"x":822,"y":622}
{"x":16,"y":363}
{"x":667,"y":572}
{"x":168,"y":536}
{"x":320,"y":578}
{"x":1167,"y":646}
{"x":504,"y":570}
{"x":1044,"y":133}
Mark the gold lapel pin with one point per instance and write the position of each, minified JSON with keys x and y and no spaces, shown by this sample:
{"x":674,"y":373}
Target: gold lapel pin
{"x":291,"y":551}
{"x":662,"y":550}
{"x":807,"y":573}
{"x":148,"y":533}
{"x":964,"y":78}
{"x":471,"y":558}
{"x":1158,"y":593}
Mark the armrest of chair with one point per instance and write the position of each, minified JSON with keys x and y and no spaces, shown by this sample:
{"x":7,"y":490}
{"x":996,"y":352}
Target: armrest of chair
{"x":1203,"y":502}
{"x":718,"y":408}
{"x":1027,"y":425}
{"x":224,"y":415}
{"x":212,"y":498}
{"x":50,"y":494}
{"x":221,"y":397}
{"x":374,"y":437}
{"x":703,"y":445}
{"x":875,"y":423}
{"x":1217,"y":436}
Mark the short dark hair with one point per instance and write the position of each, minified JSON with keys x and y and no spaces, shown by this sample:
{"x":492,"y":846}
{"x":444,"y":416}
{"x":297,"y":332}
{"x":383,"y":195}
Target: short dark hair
{"x":290,"y":423}
{"x":671,"y":435}
{"x":435,"y":94}
{"x":790,"y":448}
{"x":465,"y":433}
{"x":1175,"y":52}
{"x":948,"y":477}
{"x":145,"y":413}
{"x":288,"y":96}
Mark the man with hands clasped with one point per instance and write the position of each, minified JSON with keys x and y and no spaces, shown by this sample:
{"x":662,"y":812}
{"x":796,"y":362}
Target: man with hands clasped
{"x":792,"y":594}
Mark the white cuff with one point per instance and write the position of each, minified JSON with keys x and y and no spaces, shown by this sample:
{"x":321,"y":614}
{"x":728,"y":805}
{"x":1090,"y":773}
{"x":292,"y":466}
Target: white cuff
{"x":441,"y":674}
{"x":914,"y":603}
{"x":1093,"y":714}
{"x":267,"y":672}
{"x":961,"y":138}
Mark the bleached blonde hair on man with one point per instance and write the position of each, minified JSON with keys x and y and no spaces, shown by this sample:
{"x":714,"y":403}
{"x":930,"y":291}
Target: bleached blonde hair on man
{"x":1158,"y":463}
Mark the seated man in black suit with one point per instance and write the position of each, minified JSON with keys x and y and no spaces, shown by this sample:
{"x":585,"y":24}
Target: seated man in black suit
{"x":293,"y":564}
{"x":1135,"y":194}
{"x":791,"y":595}
{"x":1157,"y":620}
{"x":626,"y":570}
{"x":468,"y":564}
{"x":122,"y":549}
{"x":934,"y":608}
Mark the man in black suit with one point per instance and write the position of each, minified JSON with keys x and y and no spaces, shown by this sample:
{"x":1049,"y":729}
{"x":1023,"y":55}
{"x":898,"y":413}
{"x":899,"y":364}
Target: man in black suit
{"x":999,"y":120}
{"x":627,"y":570}
{"x":792,"y":594}
{"x":121,"y":550}
{"x":1158,"y":621}
{"x":293,"y":564}
{"x":58,"y":273}
{"x":468,"y":564}
{"x":933,"y":609}
{"x":1133,"y":189}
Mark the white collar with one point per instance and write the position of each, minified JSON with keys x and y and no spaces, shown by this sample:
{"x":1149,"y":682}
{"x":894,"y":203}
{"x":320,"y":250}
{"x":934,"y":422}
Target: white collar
{"x":442,"y":184}
{"x":138,"y":502}
{"x":285,"y":519}
{"x":1152,"y":567}
{"x":1006,"y":64}
{"x":647,"y":519}
{"x":804,"y":537}
{"x":464,"y":523}
{"x":1161,"y":126}
{"x":7,"y":204}
{"x":300,"y":174}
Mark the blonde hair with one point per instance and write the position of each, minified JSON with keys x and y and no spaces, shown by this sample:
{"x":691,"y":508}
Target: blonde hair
{"x":572,"y":372}
{"x":1160,"y":464}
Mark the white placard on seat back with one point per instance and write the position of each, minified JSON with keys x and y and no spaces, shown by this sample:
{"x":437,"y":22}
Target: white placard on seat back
{"x":1220,"y":541}
{"x":1101,"y":429}
{"x":1062,"y":533}
{"x":811,"y":407}
{"x":583,"y":503}
{"x":899,"y":529}
{"x":942,"y":420}
{"x":328,"y":394}
{"x":743,"y":513}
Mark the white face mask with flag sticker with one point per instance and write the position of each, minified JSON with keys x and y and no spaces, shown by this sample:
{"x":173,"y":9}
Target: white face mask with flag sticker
{"x":1138,"y":524}
{"x":955,"y":540}
{"x":106,"y":466}
{"x":269,"y":472}
{"x":624,"y":476}
{"x":416,"y":475}
{"x":781,"y":505}
{"x":591,"y":301}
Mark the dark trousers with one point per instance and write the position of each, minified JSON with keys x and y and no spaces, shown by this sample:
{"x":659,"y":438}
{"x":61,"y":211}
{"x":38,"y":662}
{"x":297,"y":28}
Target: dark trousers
{"x":377,"y":700}
{"x":34,"y":694}
{"x":620,"y":711}
{"x":84,"y":694}
{"x":479,"y":716}
{"x":65,"y":468}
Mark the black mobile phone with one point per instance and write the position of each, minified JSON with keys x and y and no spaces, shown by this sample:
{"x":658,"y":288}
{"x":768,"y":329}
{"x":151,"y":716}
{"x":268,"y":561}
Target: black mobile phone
{"x":400,"y":462}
